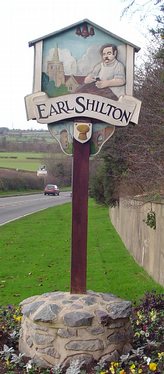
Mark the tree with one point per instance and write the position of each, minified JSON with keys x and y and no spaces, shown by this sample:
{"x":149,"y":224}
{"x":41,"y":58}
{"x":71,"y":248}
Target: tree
{"x":151,"y":11}
{"x":134,"y":156}
{"x":59,"y":169}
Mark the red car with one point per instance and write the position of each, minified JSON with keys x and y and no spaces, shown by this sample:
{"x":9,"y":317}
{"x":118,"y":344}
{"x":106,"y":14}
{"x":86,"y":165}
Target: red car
{"x":51,"y":189}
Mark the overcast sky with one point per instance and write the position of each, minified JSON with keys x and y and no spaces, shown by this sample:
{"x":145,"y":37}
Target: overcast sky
{"x":24,"y":20}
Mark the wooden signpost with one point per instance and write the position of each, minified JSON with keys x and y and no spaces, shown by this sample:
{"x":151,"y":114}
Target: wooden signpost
{"x":83,"y":86}
{"x":79,"y":216}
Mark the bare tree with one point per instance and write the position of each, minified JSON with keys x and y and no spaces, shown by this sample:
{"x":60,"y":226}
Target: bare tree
{"x":142,"y":9}
{"x":134,"y":156}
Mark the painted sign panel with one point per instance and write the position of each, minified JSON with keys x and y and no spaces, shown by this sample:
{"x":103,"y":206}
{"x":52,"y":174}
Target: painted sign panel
{"x":65,"y":131}
{"x":84,"y":59}
{"x":85,"y":72}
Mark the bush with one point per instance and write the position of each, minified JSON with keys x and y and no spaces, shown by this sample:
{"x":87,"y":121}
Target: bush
{"x":104,"y":186}
{"x":18,"y":180}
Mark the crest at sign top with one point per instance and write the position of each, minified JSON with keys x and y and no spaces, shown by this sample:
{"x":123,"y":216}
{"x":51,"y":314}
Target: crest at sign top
{"x":83,"y":71}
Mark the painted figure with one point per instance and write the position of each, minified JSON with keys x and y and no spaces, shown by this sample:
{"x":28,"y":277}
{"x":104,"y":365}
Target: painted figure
{"x":64,"y":138}
{"x":108,"y":77}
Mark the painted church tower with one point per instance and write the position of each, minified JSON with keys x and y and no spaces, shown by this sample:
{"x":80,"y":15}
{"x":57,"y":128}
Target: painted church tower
{"x":55,"y":69}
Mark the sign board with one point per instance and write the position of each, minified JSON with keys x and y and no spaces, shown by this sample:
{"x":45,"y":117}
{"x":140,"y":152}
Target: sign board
{"x":83,"y":71}
{"x":42,"y":172}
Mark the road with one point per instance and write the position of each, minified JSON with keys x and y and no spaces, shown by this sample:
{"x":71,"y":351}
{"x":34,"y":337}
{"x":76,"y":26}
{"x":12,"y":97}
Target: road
{"x":15,"y":207}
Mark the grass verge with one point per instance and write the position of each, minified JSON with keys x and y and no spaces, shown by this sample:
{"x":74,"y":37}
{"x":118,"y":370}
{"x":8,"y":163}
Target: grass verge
{"x":35,"y":257}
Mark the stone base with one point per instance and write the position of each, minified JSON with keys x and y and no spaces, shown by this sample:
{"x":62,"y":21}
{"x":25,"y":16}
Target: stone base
{"x":59,"y":327}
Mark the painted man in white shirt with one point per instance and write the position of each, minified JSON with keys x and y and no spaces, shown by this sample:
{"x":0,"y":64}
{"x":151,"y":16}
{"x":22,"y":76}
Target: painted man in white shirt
{"x":109,"y":75}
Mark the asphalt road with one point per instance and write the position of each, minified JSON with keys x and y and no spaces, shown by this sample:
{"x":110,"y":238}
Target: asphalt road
{"x":15,"y":207}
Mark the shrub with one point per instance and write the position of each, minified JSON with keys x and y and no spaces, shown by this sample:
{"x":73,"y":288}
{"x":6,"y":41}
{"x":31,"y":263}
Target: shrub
{"x":18,"y":180}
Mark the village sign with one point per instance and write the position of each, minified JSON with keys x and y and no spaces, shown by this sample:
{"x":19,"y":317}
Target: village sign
{"x":83,"y":90}
{"x":83,"y":73}
{"x":83,"y":87}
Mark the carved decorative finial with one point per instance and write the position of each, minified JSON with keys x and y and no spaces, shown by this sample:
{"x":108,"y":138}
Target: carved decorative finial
{"x":84,"y":32}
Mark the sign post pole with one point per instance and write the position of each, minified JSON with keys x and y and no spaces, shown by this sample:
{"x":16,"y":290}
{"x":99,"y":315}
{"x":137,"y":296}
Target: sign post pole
{"x":79,"y":216}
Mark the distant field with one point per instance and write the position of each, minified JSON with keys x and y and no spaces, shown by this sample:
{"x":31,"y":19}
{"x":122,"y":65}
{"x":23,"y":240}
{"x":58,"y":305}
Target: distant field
{"x":29,"y":161}
{"x":21,"y":160}
{"x":30,"y":138}
{"x":21,"y":136}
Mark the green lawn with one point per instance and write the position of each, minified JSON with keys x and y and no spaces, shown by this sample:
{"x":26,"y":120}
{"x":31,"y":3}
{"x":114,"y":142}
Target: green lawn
{"x":35,"y":257}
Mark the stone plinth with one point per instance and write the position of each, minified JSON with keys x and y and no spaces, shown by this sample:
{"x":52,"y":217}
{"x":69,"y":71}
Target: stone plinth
{"x":58,"y":327}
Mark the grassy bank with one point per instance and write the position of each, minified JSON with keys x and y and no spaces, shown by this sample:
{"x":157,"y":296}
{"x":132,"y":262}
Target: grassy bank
{"x":35,"y":257}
